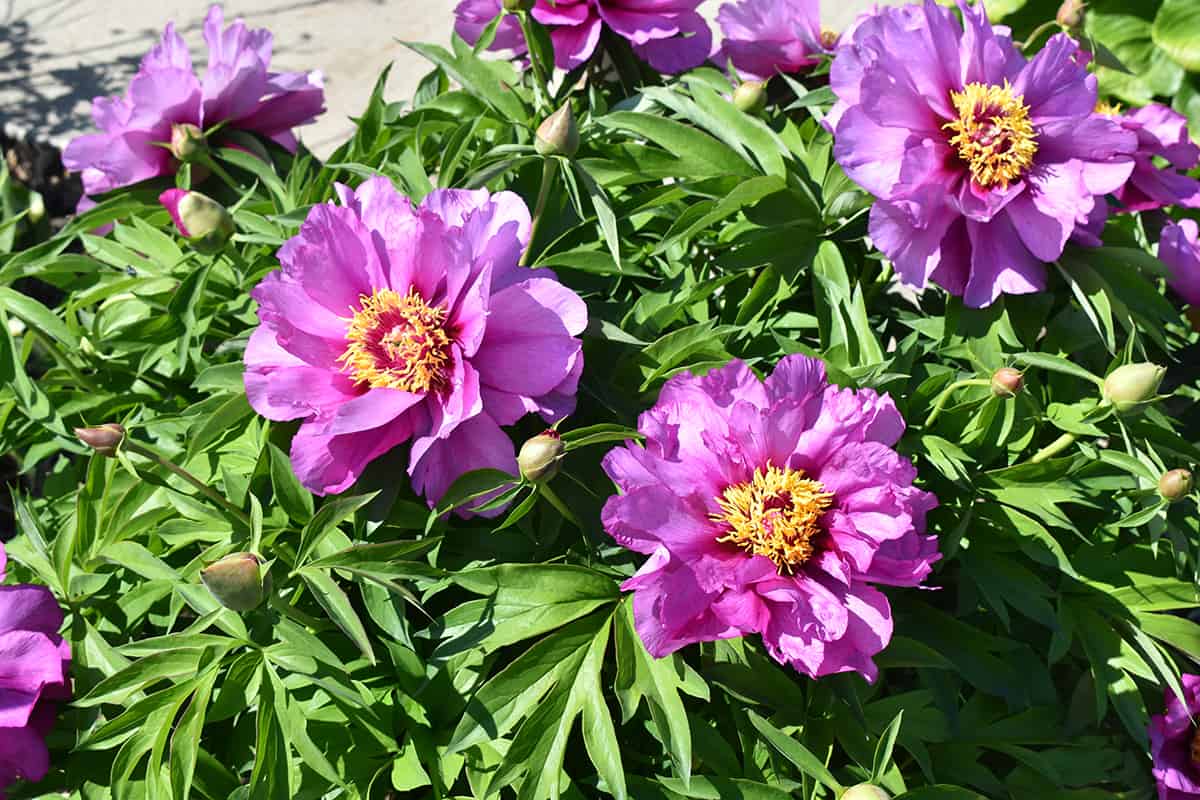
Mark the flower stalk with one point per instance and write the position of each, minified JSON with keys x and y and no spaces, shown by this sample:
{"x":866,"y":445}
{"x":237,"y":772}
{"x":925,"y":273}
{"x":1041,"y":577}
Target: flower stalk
{"x":131,"y":446}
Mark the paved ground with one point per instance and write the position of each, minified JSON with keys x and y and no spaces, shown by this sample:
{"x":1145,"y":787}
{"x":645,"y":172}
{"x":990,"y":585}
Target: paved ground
{"x":55,"y":55}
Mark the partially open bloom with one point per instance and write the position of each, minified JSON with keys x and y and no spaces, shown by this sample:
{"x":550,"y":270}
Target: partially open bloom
{"x":1179,"y":249}
{"x":166,"y":100}
{"x":386,"y":325}
{"x":669,"y":34}
{"x":983,"y":162}
{"x":1175,"y":744}
{"x":766,"y":37}
{"x":1161,"y":133}
{"x":34,"y":661}
{"x":770,"y":507}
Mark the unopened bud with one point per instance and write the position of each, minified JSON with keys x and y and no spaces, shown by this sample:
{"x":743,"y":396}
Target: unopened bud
{"x":1007,"y":382}
{"x":750,"y":97}
{"x":829,"y":39}
{"x":187,"y":141}
{"x":104,"y":439}
{"x":541,"y":457}
{"x":1131,"y":386}
{"x":237,"y":581}
{"x":558,"y":134}
{"x":1175,"y":485}
{"x":513,"y":6}
{"x":866,"y":791}
{"x":200,"y":219}
{"x":1070,"y":14}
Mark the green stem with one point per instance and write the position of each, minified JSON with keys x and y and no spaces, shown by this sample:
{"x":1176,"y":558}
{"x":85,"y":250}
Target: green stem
{"x":1054,"y":448}
{"x":61,"y":358}
{"x":541,"y":88}
{"x":1037,"y":32}
{"x":210,"y":162}
{"x":944,"y":397}
{"x":559,"y":505}
{"x":549,"y":173}
{"x":201,"y":486}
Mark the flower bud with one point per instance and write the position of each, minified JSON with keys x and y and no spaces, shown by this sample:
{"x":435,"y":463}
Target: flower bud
{"x":541,"y":457}
{"x":1128,"y":387}
{"x":558,"y":135}
{"x":513,"y":6}
{"x":200,"y":219}
{"x":750,"y":97}
{"x":866,"y":791}
{"x":1070,"y":14}
{"x":237,"y":581}
{"x":187,"y":141}
{"x":1006,"y":382}
{"x":1175,"y":485}
{"x":104,"y":439}
{"x":829,"y":39}
{"x":16,"y":327}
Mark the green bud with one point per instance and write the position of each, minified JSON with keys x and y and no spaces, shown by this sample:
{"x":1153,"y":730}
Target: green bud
{"x":187,"y":142}
{"x":558,"y":135}
{"x":866,"y":791}
{"x":104,"y":439}
{"x":541,"y":457}
{"x":1131,"y":386}
{"x":1007,"y":382}
{"x":1175,"y":485}
{"x":237,"y":581}
{"x":204,"y":222}
{"x":750,"y":97}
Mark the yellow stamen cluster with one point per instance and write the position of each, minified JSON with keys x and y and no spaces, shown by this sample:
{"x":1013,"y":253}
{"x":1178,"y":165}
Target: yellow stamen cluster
{"x":1108,"y":109}
{"x":775,"y":514}
{"x":993,"y":133}
{"x":397,"y":341}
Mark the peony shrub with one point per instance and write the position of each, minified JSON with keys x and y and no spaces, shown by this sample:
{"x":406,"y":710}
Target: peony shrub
{"x":654,"y":406}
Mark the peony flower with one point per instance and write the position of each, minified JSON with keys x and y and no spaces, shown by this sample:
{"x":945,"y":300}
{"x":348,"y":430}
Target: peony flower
{"x":983,"y":162}
{"x":387,"y":325}
{"x":669,"y":34}
{"x":766,"y":37}
{"x":1179,"y":249}
{"x":1175,"y":744}
{"x":165,"y":98}
{"x":33,"y":675}
{"x":770,"y":507}
{"x":1161,"y":133}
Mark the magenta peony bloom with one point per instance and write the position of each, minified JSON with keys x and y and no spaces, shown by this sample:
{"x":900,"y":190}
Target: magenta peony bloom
{"x":669,"y":34}
{"x":1161,"y":133}
{"x":386,"y":325}
{"x":33,"y":676}
{"x":770,"y":507}
{"x":983,"y":162}
{"x":1175,"y":744}
{"x":238,"y":90}
{"x":766,"y":37}
{"x":1179,"y":249}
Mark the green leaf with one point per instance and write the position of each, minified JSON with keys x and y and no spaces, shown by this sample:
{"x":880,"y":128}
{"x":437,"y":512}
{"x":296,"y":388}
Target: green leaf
{"x":337,"y":606}
{"x":701,"y":155}
{"x":883,"y":751}
{"x":1177,"y":30}
{"x":331,"y":514}
{"x":793,"y":751}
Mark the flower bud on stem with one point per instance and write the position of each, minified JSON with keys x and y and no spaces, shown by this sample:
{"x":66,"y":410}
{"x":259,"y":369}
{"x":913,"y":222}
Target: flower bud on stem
{"x":1176,"y":485}
{"x":940,"y":404}
{"x":104,"y":439}
{"x":541,"y":457}
{"x":866,"y":791}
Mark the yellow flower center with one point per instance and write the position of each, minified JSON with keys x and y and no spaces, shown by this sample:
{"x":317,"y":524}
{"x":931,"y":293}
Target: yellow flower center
{"x":775,"y":514}
{"x":1108,"y":109}
{"x":993,"y":133}
{"x":397,"y":342}
{"x":829,"y":39}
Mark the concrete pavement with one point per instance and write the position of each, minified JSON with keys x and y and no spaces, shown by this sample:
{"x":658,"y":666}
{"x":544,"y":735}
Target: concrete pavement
{"x":55,"y":55}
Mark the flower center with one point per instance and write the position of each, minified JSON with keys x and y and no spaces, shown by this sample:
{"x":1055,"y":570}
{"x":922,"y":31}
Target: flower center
{"x":397,"y":342}
{"x":1108,"y":109}
{"x":993,"y":133}
{"x":775,"y":514}
{"x":829,"y":39}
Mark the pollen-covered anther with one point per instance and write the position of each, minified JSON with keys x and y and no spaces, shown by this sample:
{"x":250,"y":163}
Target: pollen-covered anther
{"x":397,"y":341}
{"x":993,"y":133}
{"x":775,"y":514}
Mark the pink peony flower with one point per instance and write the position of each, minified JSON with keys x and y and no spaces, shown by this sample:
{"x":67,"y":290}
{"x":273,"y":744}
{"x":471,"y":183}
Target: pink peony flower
{"x":387,"y":325}
{"x":770,"y":507}
{"x":766,"y":37}
{"x":238,"y":90}
{"x":1175,"y":744}
{"x":33,"y":675}
{"x":1161,"y":133}
{"x":984,"y":163}
{"x":669,"y":34}
{"x":1179,"y":249}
